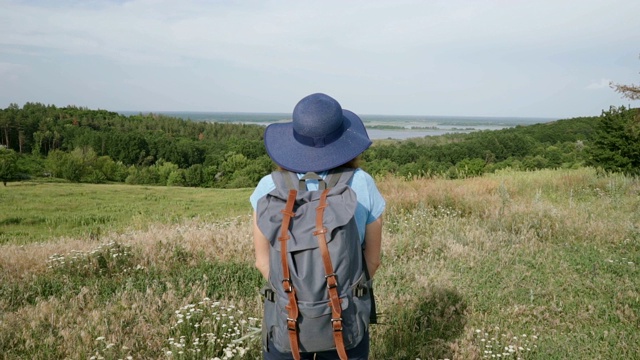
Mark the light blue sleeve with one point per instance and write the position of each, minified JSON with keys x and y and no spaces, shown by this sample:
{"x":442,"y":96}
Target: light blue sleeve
{"x":369,"y":195}
{"x":265,"y":186}
{"x":371,"y":204}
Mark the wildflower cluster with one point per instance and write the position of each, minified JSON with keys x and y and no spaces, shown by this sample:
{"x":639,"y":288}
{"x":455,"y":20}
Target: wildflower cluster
{"x":107,"y":259}
{"x":211,"y":330}
{"x":494,"y":344}
{"x":446,"y":212}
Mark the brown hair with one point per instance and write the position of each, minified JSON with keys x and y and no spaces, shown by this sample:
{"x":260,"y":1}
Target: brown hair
{"x":352,"y":164}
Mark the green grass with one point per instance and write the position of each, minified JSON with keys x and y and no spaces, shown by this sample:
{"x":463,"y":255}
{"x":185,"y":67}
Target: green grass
{"x":529,"y":265}
{"x":42,"y":211}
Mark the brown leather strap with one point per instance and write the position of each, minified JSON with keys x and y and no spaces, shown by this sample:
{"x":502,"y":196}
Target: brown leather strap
{"x":292,"y":307}
{"x":332,"y":281}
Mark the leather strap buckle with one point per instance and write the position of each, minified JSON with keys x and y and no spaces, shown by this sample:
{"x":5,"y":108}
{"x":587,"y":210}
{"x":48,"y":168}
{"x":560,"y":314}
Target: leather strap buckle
{"x":332,"y":280}
{"x":288,"y":287}
{"x":336,"y":324}
{"x":291,"y":324}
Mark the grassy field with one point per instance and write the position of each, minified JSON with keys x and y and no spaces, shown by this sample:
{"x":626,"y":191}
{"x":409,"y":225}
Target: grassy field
{"x":40,"y":211}
{"x":528,"y":265}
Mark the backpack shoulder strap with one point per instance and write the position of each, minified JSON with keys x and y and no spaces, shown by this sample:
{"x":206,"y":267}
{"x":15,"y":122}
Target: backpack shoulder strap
{"x":284,"y":179}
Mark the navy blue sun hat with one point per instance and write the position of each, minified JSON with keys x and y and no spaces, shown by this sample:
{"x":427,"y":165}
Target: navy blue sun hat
{"x":321,"y":136}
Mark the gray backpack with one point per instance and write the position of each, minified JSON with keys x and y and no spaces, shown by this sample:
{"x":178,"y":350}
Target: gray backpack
{"x":319,"y":296}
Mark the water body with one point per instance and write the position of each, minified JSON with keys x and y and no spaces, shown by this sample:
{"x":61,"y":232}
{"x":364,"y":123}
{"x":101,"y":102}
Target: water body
{"x":378,"y":126}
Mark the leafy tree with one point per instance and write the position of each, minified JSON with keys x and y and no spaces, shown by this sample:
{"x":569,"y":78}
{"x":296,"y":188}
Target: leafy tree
{"x":77,"y":165}
{"x":233,"y":162}
{"x":176,"y":178}
{"x":380,"y":167}
{"x":410,"y":170}
{"x":249,"y":175}
{"x":469,"y":168}
{"x":618,"y":149}
{"x":210,"y":176}
{"x":194,"y":175}
{"x":165,"y":169}
{"x":112,"y":171}
{"x":616,"y":146}
{"x":56,"y":162}
{"x":148,"y":175}
{"x":8,"y":165}
{"x":535,"y":162}
{"x":29,"y":166}
{"x":553,"y":156}
{"x":94,"y":176}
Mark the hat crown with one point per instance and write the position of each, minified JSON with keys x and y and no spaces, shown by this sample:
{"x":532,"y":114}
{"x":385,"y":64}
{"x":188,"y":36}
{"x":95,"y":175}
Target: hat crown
{"x":316,"y":116}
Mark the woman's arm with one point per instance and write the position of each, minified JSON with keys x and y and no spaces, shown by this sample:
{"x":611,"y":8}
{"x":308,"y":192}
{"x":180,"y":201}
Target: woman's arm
{"x":373,"y":245}
{"x":261,"y":245}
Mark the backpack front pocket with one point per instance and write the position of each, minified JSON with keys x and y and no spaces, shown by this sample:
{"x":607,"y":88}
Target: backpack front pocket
{"x":315,"y":330}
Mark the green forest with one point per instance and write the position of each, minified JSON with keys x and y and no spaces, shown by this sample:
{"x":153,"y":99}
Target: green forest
{"x":77,"y":144}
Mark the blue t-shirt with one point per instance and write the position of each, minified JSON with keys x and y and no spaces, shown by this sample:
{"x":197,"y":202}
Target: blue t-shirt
{"x":371,"y":204}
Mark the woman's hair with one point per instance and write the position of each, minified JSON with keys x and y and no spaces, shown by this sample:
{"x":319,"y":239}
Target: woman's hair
{"x":351,"y":164}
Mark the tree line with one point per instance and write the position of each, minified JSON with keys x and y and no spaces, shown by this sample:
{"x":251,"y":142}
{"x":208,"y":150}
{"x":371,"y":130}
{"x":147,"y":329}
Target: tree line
{"x":97,"y":146}
{"x":563,"y":143}
{"x":83,"y":145}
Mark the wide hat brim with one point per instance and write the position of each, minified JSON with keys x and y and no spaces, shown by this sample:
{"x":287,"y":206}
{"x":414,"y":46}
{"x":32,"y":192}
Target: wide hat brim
{"x":286,"y":151}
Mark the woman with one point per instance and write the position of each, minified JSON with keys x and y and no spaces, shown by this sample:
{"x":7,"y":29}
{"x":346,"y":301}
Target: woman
{"x":321,"y":137}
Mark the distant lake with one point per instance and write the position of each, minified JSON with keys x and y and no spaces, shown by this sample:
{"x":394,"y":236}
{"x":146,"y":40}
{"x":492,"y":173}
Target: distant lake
{"x":378,"y":126}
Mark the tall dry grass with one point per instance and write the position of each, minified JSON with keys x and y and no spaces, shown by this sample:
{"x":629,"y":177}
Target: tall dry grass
{"x":50,"y":312}
{"x":550,"y":254}
{"x":226,"y":240}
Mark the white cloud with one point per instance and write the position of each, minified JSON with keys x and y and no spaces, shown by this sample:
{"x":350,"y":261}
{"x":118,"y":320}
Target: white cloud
{"x":602,"y":84}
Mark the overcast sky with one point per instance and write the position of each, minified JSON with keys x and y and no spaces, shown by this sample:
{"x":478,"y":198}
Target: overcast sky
{"x":543,"y":58}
